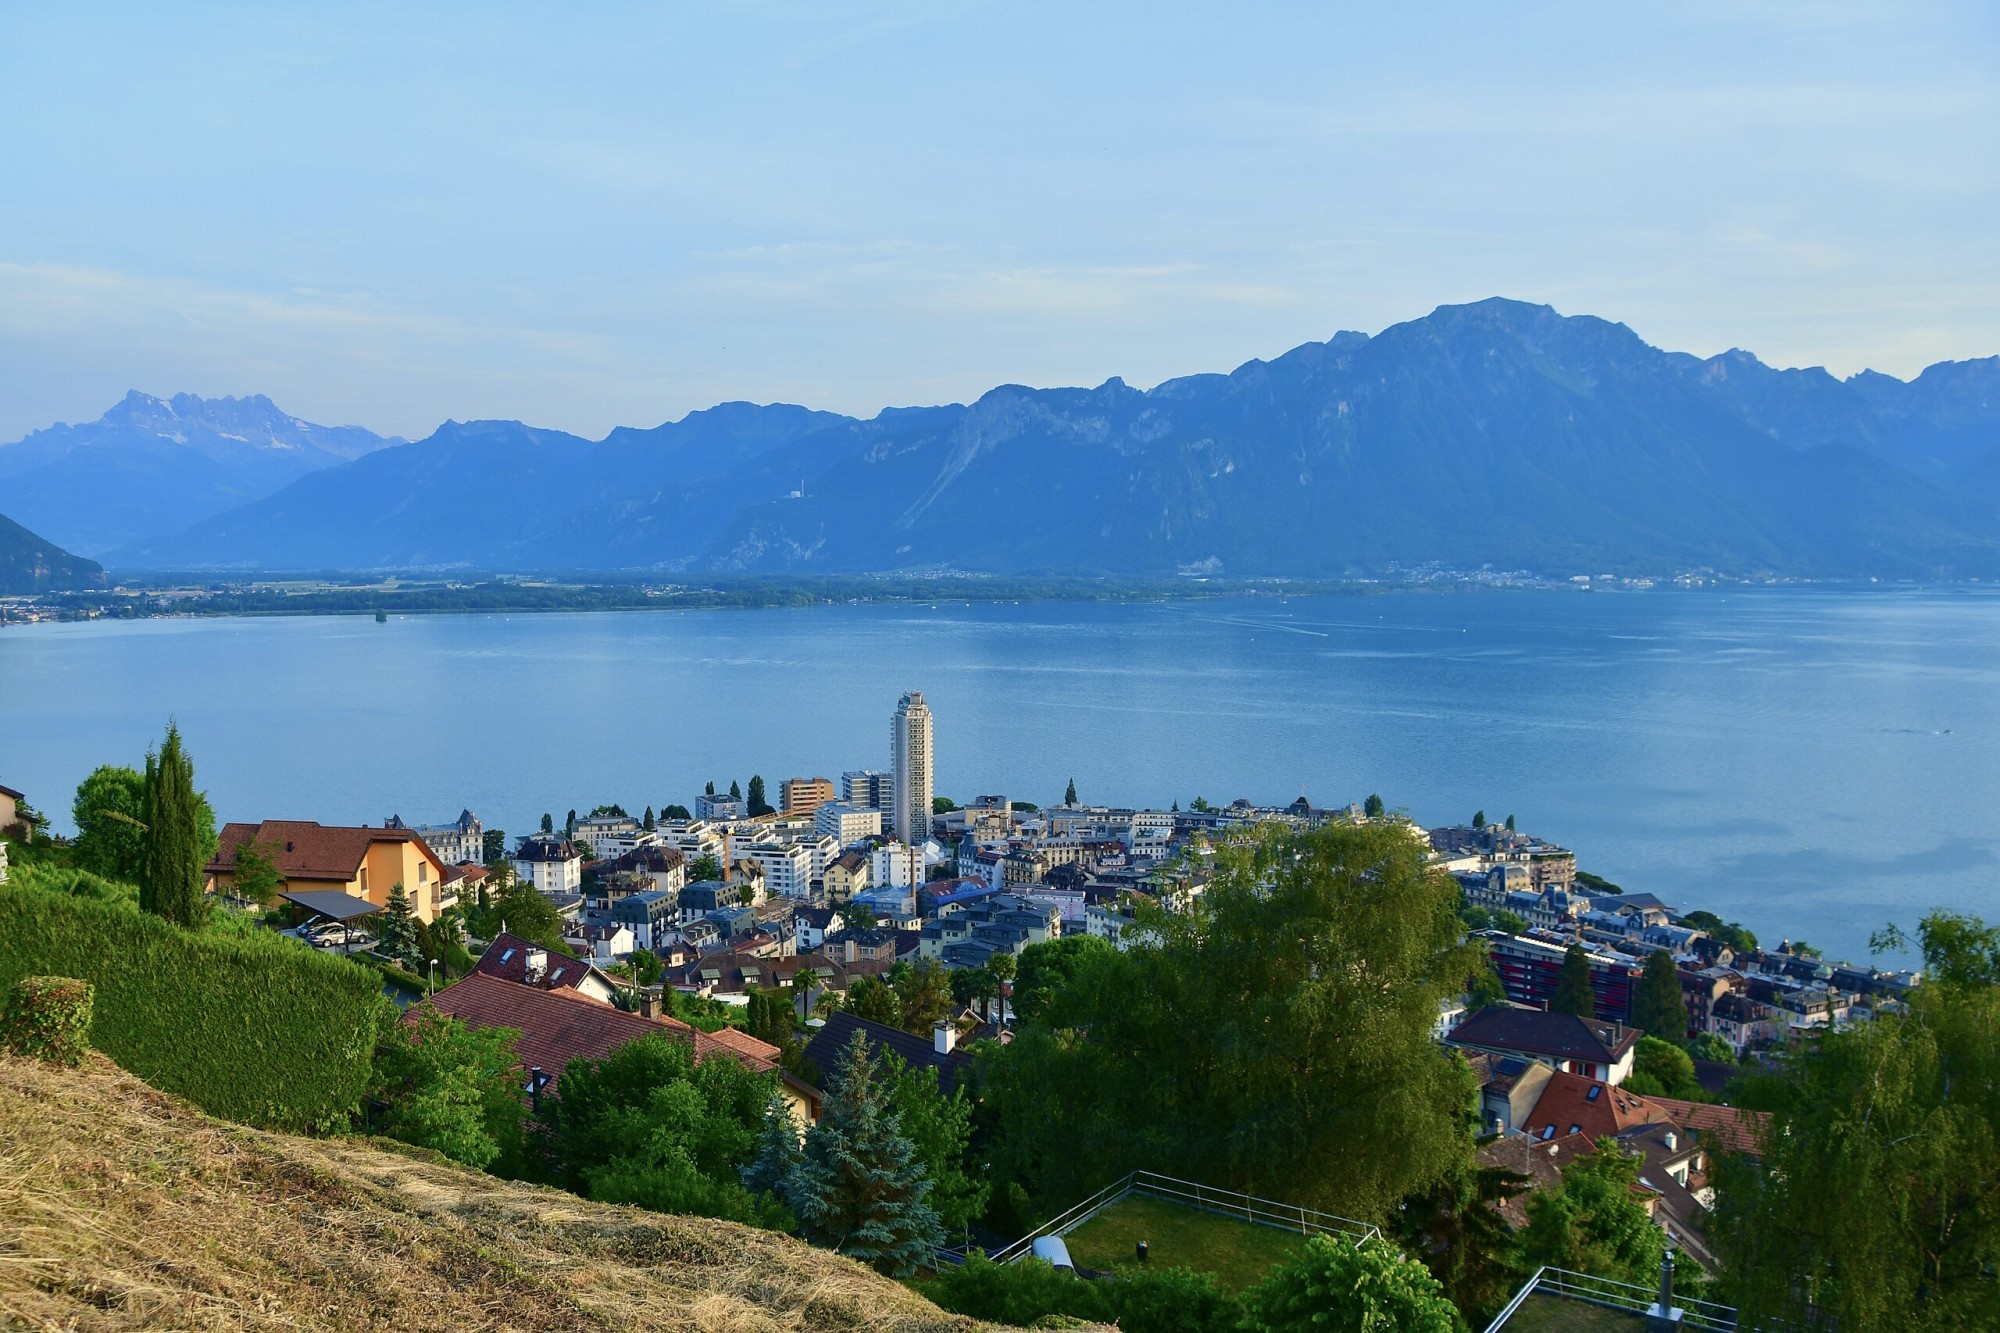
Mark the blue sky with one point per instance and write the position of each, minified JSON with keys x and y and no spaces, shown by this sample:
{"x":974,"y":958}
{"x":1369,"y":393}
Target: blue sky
{"x":592,"y":215}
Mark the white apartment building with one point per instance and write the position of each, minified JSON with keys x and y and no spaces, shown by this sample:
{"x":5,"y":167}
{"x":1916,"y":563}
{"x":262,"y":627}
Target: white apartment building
{"x":787,"y":867}
{"x":896,"y":865}
{"x":847,"y":823}
{"x":868,"y":787}
{"x":550,"y":863}
{"x":599,"y":833}
{"x":910,"y":753}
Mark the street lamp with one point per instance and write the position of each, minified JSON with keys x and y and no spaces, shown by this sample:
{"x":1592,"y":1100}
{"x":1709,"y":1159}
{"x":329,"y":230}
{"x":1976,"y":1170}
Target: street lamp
{"x":434,"y":975}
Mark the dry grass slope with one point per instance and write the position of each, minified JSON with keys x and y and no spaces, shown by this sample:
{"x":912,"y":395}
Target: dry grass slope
{"x":124,"y":1208}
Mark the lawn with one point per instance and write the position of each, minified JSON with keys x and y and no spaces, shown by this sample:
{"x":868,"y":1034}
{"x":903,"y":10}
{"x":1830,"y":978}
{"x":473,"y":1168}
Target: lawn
{"x":1238,"y":1253}
{"x":1553,"y":1314}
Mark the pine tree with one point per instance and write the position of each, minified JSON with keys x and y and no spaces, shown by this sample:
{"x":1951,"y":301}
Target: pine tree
{"x":758,"y":805}
{"x":770,"y":1171}
{"x":1069,"y":793}
{"x":1479,"y":819}
{"x":1510,"y":823}
{"x":1658,"y":1007}
{"x":398,"y":937}
{"x":647,"y":822}
{"x":548,"y":822}
{"x":1373,"y":807}
{"x":170,"y":885}
{"x":858,"y":1187}
{"x":1573,"y":993}
{"x":735,"y":790}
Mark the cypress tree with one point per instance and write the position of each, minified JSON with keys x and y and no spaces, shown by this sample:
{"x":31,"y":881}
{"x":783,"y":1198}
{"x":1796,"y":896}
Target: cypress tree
{"x":1069,"y":793}
{"x":1658,"y":1007}
{"x":170,"y":884}
{"x":859,"y":1187}
{"x":1573,"y":993}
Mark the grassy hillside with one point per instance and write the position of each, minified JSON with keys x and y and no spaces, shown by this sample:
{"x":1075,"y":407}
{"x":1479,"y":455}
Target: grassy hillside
{"x":124,"y":1208}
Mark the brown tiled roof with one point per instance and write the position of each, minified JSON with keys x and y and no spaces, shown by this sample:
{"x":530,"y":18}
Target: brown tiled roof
{"x":507,"y":959}
{"x":307,"y":849}
{"x":1572,"y":1104}
{"x":745,"y":1044}
{"x":1726,"y":1128}
{"x":465,"y":872}
{"x":559,"y":1026}
{"x":1542,"y":1163}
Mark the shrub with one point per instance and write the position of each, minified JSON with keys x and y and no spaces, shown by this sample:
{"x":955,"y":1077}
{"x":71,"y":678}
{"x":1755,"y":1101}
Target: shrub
{"x":1017,"y":1293}
{"x":249,"y":1027}
{"x":1330,"y":1286}
{"x":48,"y":1018}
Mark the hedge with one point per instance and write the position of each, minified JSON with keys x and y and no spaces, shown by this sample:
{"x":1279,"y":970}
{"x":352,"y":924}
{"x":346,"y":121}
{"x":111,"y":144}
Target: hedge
{"x":254,"y":1029}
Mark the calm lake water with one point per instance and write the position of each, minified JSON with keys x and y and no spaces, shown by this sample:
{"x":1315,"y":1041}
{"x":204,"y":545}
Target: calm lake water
{"x":1812,"y":762}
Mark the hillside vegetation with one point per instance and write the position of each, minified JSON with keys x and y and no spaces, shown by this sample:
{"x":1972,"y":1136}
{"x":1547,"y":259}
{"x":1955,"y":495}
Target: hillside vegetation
{"x":124,"y":1208}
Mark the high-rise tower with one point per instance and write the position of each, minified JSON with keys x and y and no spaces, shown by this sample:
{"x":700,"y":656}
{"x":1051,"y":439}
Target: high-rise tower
{"x":910,"y":759}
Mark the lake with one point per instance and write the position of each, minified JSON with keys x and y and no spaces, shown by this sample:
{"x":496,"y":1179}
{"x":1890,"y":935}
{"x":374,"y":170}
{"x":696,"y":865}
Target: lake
{"x":1811,"y":762}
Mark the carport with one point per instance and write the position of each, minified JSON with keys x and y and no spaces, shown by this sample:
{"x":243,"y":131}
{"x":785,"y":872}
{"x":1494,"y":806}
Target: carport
{"x":340,"y":908}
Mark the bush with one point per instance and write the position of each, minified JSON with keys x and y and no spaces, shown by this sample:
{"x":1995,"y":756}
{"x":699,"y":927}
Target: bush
{"x":251,"y":1028}
{"x":1017,"y":1293}
{"x":1141,"y":1300}
{"x":48,"y":1018}
{"x":1330,"y":1286}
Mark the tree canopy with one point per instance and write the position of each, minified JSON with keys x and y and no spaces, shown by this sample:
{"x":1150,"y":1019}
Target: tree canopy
{"x":1658,"y":1007}
{"x":1573,"y":993}
{"x":1877,"y":1203}
{"x":1281,"y":1019}
{"x":176,"y":843}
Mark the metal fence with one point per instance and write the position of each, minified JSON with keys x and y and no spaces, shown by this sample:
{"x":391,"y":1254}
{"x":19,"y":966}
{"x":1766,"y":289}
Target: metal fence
{"x":1565,"y":1285}
{"x":1205,"y":1198}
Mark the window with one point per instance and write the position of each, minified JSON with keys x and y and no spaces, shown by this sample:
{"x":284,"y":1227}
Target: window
{"x":1548,"y":1132}
{"x":1576,"y":1129}
{"x":1591,"y":1096}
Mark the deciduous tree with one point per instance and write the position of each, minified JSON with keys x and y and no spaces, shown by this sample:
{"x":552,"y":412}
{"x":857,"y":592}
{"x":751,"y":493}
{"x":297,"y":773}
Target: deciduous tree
{"x":1373,"y":807}
{"x":1593,"y":1222}
{"x":1334,"y":1286}
{"x":448,"y":1086}
{"x":110,"y":810}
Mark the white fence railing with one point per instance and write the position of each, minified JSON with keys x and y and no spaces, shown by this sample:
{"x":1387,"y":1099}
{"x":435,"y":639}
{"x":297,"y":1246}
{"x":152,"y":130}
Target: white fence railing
{"x":1205,"y":1198}
{"x":1565,"y":1285}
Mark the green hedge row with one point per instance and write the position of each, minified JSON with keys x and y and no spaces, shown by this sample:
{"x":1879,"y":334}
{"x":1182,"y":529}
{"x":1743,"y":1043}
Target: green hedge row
{"x":254,"y":1029}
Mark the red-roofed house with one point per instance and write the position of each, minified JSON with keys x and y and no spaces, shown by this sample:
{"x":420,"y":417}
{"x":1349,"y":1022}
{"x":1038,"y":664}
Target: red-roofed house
{"x":1572,"y":1104}
{"x":558,"y":1026}
{"x":511,"y":958}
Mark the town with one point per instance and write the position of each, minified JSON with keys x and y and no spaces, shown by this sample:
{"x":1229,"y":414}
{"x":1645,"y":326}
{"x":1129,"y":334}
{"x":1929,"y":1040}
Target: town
{"x":792,"y":929}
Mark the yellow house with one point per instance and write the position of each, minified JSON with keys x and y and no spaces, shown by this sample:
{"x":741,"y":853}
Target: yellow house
{"x":360,"y":862}
{"x":846,"y":875}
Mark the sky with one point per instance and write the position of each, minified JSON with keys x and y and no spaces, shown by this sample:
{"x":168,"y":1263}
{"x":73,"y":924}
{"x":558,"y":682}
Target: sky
{"x":587,"y":216}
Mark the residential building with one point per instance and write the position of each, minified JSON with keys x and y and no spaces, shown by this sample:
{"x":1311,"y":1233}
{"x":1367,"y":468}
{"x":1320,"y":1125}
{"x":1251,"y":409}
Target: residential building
{"x":869,"y":787}
{"x":1509,"y":1087}
{"x":653,"y":917}
{"x":557,"y":1027}
{"x":665,"y":867}
{"x":786,"y":870}
{"x":802,"y":796}
{"x":940,"y":1052}
{"x":910,"y":753}
{"x":1528,"y":965}
{"x":602,"y":944}
{"x":710,"y":806}
{"x":897,"y":864}
{"x":550,"y":863}
{"x":848,"y":823}
{"x":845,"y":876}
{"x":14,"y":814}
{"x":511,"y":958}
{"x":1586,"y":1047}
{"x":462,"y":840}
{"x":352,"y":862}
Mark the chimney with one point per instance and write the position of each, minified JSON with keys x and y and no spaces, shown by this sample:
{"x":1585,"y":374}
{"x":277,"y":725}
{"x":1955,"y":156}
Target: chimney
{"x":649,"y":1004}
{"x":943,"y":1037}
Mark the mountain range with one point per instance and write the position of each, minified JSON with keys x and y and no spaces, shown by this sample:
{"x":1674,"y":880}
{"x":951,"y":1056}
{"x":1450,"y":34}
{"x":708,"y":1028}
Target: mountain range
{"x":31,"y":564}
{"x":1493,"y":434}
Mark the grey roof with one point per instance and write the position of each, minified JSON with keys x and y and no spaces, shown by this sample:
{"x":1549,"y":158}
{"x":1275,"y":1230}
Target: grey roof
{"x":841,"y":1030}
{"x":332,"y":903}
